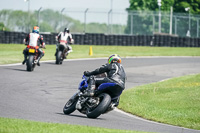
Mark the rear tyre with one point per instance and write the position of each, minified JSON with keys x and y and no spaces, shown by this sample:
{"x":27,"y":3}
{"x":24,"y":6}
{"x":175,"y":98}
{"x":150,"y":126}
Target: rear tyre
{"x":105,"y":101}
{"x":30,"y":63}
{"x":58,"y":57}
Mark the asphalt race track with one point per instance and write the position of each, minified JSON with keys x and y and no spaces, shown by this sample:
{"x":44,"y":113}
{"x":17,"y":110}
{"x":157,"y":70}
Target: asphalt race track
{"x":41,"y":95}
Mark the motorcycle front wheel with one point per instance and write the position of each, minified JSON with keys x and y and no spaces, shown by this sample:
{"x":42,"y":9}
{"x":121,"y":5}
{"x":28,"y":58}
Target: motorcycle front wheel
{"x":105,"y":101}
{"x":70,"y":106}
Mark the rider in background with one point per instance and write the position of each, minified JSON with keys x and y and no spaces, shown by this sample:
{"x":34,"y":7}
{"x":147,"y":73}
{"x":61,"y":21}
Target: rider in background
{"x":31,"y":41}
{"x":65,"y":37}
{"x":115,"y":74}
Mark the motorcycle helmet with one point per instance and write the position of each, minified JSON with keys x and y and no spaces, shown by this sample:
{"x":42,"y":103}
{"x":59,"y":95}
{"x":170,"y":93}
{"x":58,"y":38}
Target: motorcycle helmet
{"x":36,"y":29}
{"x":114,"y":58}
{"x":66,"y":30}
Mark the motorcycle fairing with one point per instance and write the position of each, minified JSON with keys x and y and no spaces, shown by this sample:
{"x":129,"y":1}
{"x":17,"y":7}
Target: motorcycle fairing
{"x":103,"y":86}
{"x":83,"y":84}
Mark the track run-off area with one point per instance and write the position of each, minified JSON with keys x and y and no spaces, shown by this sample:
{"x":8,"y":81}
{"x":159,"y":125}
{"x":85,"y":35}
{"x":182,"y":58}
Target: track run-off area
{"x":41,"y":95}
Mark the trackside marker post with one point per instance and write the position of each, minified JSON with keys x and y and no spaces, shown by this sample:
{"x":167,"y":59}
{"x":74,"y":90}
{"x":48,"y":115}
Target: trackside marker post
{"x":90,"y":51}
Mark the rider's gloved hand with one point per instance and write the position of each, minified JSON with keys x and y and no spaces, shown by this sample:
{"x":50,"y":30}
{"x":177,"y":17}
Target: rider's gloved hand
{"x":86,"y":73}
{"x":72,"y":41}
{"x":43,"y":45}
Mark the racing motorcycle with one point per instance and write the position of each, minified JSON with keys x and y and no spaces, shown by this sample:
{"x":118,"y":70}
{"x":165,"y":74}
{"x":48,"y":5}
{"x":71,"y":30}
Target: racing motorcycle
{"x":60,"y":54}
{"x":32,"y":58}
{"x":101,"y":103}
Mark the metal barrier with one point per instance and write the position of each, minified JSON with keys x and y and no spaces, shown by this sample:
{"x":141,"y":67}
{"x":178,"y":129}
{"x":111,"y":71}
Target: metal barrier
{"x":161,"y":40}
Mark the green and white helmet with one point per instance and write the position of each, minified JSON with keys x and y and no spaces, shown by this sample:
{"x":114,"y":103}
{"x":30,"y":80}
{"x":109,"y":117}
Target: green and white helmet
{"x":114,"y":58}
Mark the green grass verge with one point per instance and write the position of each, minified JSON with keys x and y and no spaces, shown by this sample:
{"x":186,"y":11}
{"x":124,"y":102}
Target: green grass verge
{"x":12,"y":53}
{"x":175,"y":101}
{"x":24,"y":126}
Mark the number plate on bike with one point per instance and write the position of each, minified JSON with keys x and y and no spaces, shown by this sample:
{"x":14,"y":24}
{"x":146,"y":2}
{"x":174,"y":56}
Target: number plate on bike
{"x":31,"y":50}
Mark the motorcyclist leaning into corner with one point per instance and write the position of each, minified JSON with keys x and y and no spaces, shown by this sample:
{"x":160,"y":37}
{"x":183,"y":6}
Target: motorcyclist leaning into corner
{"x":65,"y":37}
{"x":115,"y":74}
{"x":31,"y":41}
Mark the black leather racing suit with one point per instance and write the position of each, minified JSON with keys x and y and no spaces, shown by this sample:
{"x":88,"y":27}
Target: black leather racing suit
{"x":115,"y":74}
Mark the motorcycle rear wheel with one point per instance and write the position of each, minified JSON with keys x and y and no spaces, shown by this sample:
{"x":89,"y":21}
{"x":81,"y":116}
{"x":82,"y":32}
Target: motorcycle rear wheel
{"x":58,"y":57}
{"x":30,"y":63}
{"x":105,"y":101}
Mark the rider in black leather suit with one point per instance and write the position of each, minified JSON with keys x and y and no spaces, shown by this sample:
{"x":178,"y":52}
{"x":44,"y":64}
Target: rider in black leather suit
{"x":115,"y":74}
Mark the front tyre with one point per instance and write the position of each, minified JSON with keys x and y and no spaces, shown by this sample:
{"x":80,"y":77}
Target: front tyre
{"x":58,"y":57}
{"x":105,"y":101}
{"x":70,"y":106}
{"x":30,"y":63}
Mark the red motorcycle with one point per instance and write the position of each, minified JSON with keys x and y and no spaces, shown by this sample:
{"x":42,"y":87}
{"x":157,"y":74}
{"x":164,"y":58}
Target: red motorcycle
{"x":32,"y":58}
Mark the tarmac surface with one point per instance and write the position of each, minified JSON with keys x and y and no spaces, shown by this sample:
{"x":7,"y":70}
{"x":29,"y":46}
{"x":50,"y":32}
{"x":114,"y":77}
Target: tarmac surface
{"x":41,"y":95}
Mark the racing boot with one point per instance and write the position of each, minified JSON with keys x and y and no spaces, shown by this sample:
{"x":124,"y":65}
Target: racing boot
{"x":116,"y":102}
{"x":40,"y":57}
{"x":38,"y":61}
{"x":25,"y":59}
{"x":56,"y":52}
{"x":113,"y":104}
{"x":66,"y":54}
{"x":91,"y":87}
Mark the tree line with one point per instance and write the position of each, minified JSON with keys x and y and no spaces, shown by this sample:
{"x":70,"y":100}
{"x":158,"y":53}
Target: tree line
{"x":49,"y":21}
{"x":178,"y":5}
{"x":146,"y":20}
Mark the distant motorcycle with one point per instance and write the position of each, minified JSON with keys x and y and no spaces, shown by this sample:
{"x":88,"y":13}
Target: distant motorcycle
{"x":32,"y":58}
{"x":94,"y":106}
{"x":60,"y":55}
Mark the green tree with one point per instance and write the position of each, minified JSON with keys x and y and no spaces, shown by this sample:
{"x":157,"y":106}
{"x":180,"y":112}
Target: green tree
{"x":45,"y":27}
{"x":50,"y":21}
{"x":141,"y":22}
{"x":178,"y":5}
{"x":3,"y":27}
{"x":149,"y":5}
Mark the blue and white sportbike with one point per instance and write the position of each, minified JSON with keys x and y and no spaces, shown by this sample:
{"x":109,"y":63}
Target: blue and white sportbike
{"x":94,"y":106}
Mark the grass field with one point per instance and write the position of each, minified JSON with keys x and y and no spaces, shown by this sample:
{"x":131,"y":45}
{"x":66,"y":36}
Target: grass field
{"x":12,"y":53}
{"x":175,"y":101}
{"x":24,"y":126}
